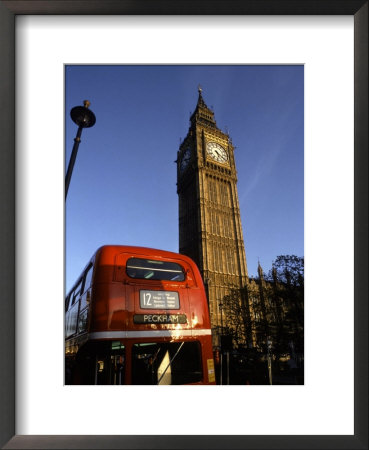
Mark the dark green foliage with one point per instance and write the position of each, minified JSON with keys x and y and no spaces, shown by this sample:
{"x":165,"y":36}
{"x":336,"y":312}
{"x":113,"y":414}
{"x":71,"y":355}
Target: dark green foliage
{"x":271,"y":309}
{"x":289,"y":269}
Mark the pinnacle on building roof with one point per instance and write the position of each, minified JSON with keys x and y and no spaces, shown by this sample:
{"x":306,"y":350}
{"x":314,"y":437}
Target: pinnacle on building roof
{"x":200,"y":100}
{"x":202,"y":111}
{"x":260,"y":269}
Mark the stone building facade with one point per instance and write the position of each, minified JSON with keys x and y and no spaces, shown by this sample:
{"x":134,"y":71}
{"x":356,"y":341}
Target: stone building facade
{"x":210,"y":230}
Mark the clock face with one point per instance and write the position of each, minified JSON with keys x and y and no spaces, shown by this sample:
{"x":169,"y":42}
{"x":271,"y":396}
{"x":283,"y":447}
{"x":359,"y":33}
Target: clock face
{"x":185,"y":159}
{"x":217,"y":152}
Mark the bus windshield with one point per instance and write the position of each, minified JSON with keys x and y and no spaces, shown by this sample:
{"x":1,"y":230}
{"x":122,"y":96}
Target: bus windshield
{"x":149,"y":269}
{"x":166,"y":363}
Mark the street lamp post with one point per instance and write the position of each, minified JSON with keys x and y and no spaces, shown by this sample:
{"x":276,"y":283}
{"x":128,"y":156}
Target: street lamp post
{"x":269,"y":346}
{"x":84,"y":118}
{"x":221,"y":318}
{"x":221,"y":341}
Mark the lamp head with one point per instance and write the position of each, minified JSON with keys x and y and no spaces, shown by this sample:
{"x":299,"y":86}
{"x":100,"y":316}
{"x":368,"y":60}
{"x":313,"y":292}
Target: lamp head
{"x":82,"y":116}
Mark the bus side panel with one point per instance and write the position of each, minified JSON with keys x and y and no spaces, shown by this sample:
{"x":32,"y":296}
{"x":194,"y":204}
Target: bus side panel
{"x":208,"y":361}
{"x":198,"y":308}
{"x":108,"y":306}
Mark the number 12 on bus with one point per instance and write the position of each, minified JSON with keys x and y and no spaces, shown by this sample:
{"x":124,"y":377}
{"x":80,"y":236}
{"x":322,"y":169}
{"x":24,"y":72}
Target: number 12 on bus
{"x":138,"y":316}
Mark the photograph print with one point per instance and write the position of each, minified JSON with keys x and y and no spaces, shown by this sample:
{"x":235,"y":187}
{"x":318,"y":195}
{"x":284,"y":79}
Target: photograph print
{"x":184,"y":224}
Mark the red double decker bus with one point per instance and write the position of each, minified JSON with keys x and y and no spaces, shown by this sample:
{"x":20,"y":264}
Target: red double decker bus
{"x":138,"y":316}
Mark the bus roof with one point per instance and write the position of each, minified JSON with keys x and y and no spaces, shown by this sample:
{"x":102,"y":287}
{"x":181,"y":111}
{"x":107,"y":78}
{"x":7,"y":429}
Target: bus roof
{"x":110,"y":251}
{"x":142,"y":250}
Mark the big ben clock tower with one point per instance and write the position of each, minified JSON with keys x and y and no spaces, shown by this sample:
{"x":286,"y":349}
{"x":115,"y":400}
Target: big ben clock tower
{"x":210,"y":229}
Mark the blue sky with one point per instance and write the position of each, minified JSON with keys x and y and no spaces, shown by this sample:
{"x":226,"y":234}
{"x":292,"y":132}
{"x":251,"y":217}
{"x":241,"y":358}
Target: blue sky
{"x":123,"y":187}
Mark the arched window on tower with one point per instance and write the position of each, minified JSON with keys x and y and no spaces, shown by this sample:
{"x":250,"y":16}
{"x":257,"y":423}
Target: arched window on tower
{"x":212,"y":190}
{"x":224,"y":193}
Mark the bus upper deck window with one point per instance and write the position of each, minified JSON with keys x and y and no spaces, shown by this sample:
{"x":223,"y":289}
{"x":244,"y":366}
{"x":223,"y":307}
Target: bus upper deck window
{"x":149,"y":269}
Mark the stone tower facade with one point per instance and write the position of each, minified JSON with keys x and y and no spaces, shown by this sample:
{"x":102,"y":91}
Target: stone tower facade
{"x":210,"y":230}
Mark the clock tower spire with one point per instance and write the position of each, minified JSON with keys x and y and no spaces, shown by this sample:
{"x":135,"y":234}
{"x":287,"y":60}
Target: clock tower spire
{"x":210,"y":230}
{"x":202,"y":112}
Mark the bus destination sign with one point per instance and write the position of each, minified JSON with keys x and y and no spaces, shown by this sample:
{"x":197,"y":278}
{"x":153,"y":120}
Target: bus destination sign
{"x":160,"y":318}
{"x":159,"y":300}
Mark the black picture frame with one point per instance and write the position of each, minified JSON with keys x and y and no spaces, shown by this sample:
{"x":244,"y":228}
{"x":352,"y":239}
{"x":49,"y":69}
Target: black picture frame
{"x":8,"y":11}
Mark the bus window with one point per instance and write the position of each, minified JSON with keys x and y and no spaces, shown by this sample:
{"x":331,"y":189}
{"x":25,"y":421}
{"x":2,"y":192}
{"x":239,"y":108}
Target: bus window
{"x":67,"y":302}
{"x":98,"y":363}
{"x":166,"y":363}
{"x":86,"y":292}
{"x":71,"y":321}
{"x":110,"y":362}
{"x":148,"y":269}
{"x":76,"y":293}
{"x":88,"y":279}
{"x":82,"y":321}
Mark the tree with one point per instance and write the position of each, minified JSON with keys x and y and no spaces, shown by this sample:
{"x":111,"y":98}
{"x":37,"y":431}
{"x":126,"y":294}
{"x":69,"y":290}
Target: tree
{"x":289,"y":269}
{"x":287,"y":278}
{"x":269,"y":309}
{"x":234,"y":317}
